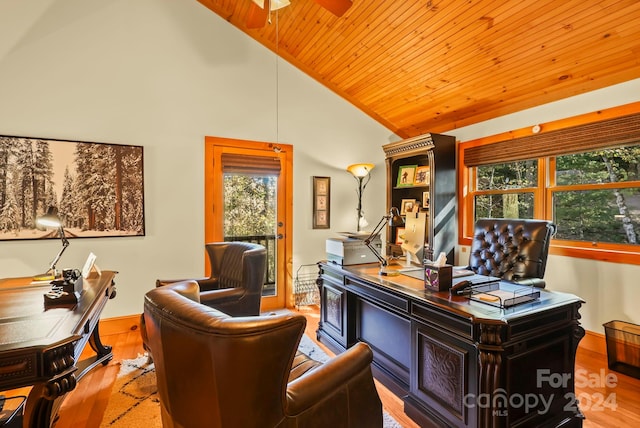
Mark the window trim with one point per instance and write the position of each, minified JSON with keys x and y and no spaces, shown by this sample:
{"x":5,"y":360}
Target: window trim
{"x":617,"y":253}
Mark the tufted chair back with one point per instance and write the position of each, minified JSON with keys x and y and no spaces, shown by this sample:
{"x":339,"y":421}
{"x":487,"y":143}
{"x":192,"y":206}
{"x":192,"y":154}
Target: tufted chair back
{"x":512,"y":249}
{"x":218,"y":371}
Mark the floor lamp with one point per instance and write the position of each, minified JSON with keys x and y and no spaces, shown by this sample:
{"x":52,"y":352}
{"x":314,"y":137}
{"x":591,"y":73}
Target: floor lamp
{"x":362,"y":173}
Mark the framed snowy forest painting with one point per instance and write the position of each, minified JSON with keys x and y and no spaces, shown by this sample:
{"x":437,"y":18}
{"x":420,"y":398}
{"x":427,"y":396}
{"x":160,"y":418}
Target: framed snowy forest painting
{"x":97,"y":188}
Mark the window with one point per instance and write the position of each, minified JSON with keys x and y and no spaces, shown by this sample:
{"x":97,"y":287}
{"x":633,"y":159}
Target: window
{"x":596,"y":196}
{"x":585,"y":178}
{"x":506,"y":190}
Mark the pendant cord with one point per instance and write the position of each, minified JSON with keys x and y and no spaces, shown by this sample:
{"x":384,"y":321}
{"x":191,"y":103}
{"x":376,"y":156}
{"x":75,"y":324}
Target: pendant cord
{"x":277,"y":77}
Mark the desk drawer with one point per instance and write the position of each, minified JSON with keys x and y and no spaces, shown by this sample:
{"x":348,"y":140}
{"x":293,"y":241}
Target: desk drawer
{"x":18,"y":367}
{"x":459,"y":326}
{"x":378,"y":295}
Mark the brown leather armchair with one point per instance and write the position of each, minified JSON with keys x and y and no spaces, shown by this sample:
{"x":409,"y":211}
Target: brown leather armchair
{"x":512,"y":249}
{"x":237,"y":277}
{"x":219,"y":371}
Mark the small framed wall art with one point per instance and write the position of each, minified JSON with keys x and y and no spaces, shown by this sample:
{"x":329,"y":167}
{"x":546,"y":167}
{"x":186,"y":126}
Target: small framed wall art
{"x":321,"y":202}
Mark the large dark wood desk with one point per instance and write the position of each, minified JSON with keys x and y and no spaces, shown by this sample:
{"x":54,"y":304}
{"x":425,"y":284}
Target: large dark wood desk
{"x":457,"y":362}
{"x":41,"y":346}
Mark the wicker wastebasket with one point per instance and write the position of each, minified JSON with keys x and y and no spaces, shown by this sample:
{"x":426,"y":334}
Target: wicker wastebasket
{"x":305,"y":287}
{"x":623,"y":347}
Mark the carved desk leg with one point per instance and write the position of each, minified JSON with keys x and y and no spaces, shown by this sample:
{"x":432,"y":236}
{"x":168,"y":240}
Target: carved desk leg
{"x":103,"y":352}
{"x":491,"y":382}
{"x":45,"y":397}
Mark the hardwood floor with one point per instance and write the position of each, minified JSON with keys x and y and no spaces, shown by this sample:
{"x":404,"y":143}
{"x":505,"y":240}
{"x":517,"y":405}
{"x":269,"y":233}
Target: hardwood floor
{"x":612,"y":404}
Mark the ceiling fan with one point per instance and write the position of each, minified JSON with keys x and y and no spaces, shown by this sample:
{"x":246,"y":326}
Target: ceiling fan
{"x":260,"y":9}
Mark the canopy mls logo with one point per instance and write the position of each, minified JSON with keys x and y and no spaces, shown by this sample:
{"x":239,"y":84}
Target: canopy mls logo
{"x":500,"y":401}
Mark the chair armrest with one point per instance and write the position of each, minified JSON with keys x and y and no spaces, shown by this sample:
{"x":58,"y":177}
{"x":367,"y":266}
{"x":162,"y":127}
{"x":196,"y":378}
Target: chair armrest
{"x":530,"y":282}
{"x":220,"y":296}
{"x":204,"y":283}
{"x":315,"y":385}
{"x":207,"y":284}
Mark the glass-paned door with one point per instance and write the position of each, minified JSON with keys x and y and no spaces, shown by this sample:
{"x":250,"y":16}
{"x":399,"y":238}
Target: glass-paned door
{"x":250,"y":215}
{"x":248,"y":187}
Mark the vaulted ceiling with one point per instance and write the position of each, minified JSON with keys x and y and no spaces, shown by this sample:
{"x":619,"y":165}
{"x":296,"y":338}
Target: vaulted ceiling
{"x":419,"y":66}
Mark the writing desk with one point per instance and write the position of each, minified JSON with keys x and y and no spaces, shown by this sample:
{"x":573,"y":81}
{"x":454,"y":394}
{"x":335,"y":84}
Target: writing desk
{"x":40,"y":345}
{"x":457,"y":362}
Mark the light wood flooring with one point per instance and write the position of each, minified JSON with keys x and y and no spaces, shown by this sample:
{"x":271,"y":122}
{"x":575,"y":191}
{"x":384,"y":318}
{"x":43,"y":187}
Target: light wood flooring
{"x":85,"y":405}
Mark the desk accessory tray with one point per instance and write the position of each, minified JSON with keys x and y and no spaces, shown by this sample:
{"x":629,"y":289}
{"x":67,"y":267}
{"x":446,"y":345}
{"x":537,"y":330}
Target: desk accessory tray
{"x":492,"y":294}
{"x":63,"y":292}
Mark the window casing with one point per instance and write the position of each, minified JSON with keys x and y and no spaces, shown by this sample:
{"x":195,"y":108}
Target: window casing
{"x":592,"y":195}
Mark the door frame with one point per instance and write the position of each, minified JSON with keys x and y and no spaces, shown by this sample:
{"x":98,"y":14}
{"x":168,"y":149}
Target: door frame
{"x":213,"y":193}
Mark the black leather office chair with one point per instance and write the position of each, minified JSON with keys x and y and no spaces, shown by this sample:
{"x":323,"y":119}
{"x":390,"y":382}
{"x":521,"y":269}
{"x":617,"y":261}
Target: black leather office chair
{"x":512,"y":249}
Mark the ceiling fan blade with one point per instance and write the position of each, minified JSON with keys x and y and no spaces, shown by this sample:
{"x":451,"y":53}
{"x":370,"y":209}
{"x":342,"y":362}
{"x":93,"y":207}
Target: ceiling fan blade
{"x":257,"y":16}
{"x":337,"y":7}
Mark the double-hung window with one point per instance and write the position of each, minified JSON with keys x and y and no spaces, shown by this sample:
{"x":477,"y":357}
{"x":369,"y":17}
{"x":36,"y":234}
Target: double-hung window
{"x":586,"y":179}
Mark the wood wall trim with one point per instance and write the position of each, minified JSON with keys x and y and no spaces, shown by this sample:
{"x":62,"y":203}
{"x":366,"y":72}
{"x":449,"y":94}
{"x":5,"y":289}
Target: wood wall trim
{"x":595,"y":342}
{"x":556,"y":125}
{"x":602,"y":134}
{"x":214,"y":148}
{"x":465,"y":226}
{"x":119,"y":325}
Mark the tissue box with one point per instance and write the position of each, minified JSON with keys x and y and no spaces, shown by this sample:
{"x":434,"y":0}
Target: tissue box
{"x":437,"y":278}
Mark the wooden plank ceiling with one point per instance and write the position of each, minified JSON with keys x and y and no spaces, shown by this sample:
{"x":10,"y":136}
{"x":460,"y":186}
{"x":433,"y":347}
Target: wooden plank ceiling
{"x":419,"y":66}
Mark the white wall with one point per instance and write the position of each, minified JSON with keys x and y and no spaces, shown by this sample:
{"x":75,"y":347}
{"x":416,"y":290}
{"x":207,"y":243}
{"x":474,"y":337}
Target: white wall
{"x":163,"y":74}
{"x":610,"y":290}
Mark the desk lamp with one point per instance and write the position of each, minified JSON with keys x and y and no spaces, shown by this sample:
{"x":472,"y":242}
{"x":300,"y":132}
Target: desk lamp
{"x":51,"y":219}
{"x":361,"y":172}
{"x":392,"y":219}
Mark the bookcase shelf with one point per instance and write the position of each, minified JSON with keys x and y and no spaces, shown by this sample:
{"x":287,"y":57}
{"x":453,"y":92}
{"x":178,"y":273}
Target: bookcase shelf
{"x":431,"y":159}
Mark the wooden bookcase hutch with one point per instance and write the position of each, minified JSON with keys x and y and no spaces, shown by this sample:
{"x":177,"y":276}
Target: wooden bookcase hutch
{"x":435,"y":156}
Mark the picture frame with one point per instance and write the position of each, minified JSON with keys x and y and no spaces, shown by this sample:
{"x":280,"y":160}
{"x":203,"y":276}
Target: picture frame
{"x":90,"y":270}
{"x":406,"y":175}
{"x":321,"y":202}
{"x":425,"y":200}
{"x":399,"y":235}
{"x":408,"y":206}
{"x":107,"y":179}
{"x":423,"y":176}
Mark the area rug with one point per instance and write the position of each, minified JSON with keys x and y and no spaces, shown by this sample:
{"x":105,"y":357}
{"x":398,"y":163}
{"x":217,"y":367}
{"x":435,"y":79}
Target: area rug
{"x":134,"y":400}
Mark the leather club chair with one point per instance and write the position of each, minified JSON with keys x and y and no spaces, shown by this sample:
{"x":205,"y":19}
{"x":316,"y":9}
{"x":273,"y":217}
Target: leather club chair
{"x":214,"y":370}
{"x":235,"y":284}
{"x":237,"y":277}
{"x":512,"y":249}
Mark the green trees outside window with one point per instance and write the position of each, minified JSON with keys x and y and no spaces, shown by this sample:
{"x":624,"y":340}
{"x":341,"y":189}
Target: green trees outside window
{"x":591,"y":196}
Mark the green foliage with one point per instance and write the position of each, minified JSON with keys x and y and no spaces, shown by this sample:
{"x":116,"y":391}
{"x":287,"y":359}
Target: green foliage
{"x":599,"y":215}
{"x":249,"y":205}
{"x":611,"y":165}
{"x":508,"y":205}
{"x":587,"y":214}
{"x":512,"y":175}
